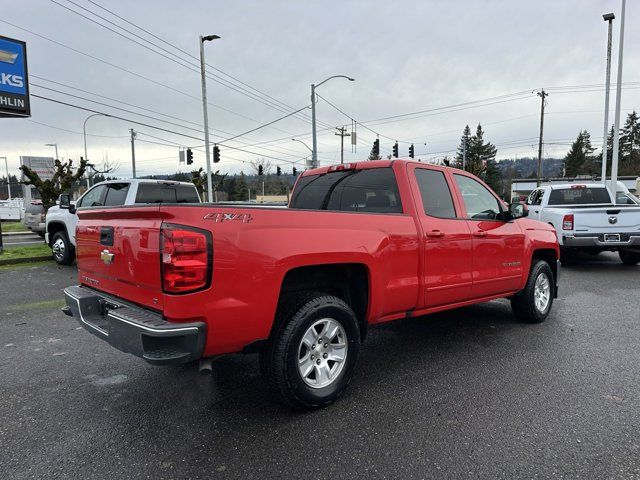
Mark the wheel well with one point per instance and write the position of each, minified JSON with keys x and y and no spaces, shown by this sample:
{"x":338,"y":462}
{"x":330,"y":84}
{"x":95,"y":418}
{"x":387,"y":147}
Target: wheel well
{"x":348,"y":281}
{"x":53,"y":228}
{"x":549,"y":256}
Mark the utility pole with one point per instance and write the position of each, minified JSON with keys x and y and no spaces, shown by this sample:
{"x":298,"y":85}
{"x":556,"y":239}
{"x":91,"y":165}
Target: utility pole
{"x":616,"y":132}
{"x":542,"y":94}
{"x":342,"y":133}
{"x":133,"y":151}
{"x":205,"y":113}
{"x":608,"y":17}
{"x":464,"y":154}
{"x":6,"y":166}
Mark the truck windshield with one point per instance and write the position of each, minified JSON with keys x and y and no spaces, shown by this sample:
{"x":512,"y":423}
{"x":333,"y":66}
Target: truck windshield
{"x":579,"y":196}
{"x":373,"y":190}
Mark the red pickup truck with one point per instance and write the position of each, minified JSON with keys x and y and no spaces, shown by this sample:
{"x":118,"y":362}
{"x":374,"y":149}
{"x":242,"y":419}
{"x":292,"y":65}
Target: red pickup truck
{"x":359,"y":244}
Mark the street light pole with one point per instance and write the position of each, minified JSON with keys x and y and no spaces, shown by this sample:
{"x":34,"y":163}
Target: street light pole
{"x":55,"y":145}
{"x":608,"y":17}
{"x":314,"y":152}
{"x":205,"y":114}
{"x":616,"y":132}
{"x":84,"y":134}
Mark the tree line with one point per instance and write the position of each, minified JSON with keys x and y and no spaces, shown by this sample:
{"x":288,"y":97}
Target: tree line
{"x":580,"y":160}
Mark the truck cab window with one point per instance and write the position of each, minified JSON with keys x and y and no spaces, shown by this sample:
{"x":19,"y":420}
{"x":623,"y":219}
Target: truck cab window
{"x":478,"y":201}
{"x":372,"y":190}
{"x":535,"y":198}
{"x":116,"y":194}
{"x":93,"y":198}
{"x":436,"y":195}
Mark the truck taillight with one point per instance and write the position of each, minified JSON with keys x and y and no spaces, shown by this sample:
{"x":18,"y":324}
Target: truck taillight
{"x":567,"y":222}
{"x":187,"y":258}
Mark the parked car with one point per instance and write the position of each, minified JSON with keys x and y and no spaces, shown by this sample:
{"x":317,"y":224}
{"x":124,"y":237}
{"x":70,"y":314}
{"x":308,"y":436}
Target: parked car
{"x":586,"y":219}
{"x":34,"y":217}
{"x":360,"y":244}
{"x":61,"y":219}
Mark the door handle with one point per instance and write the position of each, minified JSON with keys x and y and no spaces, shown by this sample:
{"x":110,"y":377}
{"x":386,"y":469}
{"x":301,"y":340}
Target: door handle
{"x":480,"y":234}
{"x":435,"y":233}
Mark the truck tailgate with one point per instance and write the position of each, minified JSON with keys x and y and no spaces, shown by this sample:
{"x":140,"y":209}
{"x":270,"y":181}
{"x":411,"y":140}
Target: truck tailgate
{"x":612,"y":219}
{"x":118,"y":253}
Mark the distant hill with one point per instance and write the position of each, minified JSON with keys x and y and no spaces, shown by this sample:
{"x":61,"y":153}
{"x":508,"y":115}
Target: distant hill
{"x":527,"y":167}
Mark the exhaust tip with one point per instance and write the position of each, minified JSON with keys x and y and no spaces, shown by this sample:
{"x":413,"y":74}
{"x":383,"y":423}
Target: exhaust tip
{"x":205,"y":366}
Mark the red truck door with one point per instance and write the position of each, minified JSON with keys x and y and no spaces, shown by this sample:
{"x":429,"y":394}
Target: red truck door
{"x":447,"y":243}
{"x":498,"y":246}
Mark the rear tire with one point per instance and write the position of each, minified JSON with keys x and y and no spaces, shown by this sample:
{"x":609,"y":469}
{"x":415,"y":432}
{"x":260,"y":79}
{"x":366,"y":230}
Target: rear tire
{"x":629,"y":258}
{"x":533,"y":304}
{"x":64,"y":253}
{"x":304,"y":373}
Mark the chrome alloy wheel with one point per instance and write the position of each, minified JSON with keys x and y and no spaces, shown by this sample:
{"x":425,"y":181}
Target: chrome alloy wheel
{"x":322,"y":353}
{"x":542,"y":292}
{"x":58,"y":249}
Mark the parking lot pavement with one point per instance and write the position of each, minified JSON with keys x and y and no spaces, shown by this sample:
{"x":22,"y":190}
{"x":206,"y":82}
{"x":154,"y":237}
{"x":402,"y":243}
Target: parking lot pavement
{"x":468,"y":393}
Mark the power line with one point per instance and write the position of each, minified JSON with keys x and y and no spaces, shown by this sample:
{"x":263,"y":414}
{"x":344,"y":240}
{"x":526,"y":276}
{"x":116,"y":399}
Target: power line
{"x":77,"y":133}
{"x":156,"y":127}
{"x":187,"y":53}
{"x":144,"y":115}
{"x":193,"y":66}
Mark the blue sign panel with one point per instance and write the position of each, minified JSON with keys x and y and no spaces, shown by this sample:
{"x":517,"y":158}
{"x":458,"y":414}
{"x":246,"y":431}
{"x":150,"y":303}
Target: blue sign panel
{"x":14,"y":86}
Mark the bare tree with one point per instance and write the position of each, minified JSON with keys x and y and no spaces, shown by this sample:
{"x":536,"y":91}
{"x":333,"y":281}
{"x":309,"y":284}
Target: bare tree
{"x":266,"y":164}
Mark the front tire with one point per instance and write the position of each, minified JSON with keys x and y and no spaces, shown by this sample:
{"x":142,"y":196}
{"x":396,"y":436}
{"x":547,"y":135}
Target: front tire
{"x":64,"y":253}
{"x":533,"y":304}
{"x":311,"y":354}
{"x":629,"y":258}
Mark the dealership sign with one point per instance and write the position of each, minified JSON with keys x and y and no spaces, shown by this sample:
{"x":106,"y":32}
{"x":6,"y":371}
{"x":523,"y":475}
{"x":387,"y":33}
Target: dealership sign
{"x":14,"y":86}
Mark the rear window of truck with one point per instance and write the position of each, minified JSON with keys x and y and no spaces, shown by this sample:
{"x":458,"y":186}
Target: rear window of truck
{"x":166,"y":193}
{"x":579,"y":196}
{"x":373,"y":190}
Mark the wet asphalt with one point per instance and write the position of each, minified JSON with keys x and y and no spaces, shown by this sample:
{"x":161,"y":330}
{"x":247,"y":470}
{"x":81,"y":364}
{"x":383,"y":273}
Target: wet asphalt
{"x":469,"y":393}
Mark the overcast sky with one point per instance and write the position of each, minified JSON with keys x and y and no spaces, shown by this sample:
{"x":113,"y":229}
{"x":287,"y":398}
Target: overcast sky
{"x":406,"y":56}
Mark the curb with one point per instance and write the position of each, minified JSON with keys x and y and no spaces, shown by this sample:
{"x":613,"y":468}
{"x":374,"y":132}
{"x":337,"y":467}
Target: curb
{"x":15,"y":261}
{"x":17,"y":234}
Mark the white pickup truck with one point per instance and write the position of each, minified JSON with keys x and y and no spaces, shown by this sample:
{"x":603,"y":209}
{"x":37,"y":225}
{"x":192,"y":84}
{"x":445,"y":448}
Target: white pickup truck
{"x":586,"y":219}
{"x":61,"y":219}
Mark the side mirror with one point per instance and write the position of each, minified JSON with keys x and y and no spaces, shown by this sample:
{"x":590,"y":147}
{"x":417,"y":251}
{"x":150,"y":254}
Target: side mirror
{"x":518,"y":210}
{"x":65,"y":201}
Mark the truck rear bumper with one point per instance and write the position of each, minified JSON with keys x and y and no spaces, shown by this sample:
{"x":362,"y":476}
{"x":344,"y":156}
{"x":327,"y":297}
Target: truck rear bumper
{"x":135,"y":330}
{"x":590,"y":240}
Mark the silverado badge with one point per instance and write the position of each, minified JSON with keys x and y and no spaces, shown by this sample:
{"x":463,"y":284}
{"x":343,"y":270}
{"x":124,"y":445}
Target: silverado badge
{"x":106,"y":256}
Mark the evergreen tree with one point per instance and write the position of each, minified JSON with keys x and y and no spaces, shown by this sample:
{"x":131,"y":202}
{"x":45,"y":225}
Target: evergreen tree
{"x":629,"y":136}
{"x":479,"y":153}
{"x":493,"y":177}
{"x":579,"y":160}
{"x":242,"y":188}
{"x":464,"y":140}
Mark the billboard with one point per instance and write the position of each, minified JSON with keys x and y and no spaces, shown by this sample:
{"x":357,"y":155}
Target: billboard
{"x":43,"y":166}
{"x":14,"y":84}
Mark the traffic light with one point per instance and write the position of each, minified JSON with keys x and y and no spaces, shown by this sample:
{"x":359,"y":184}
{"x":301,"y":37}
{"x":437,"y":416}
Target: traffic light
{"x":395,"y":150}
{"x":376,"y":147}
{"x":260,"y":170}
{"x":295,"y":171}
{"x":411,"y":151}
{"x":216,"y":154}
{"x":189,"y":156}
{"x":278,"y":171}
